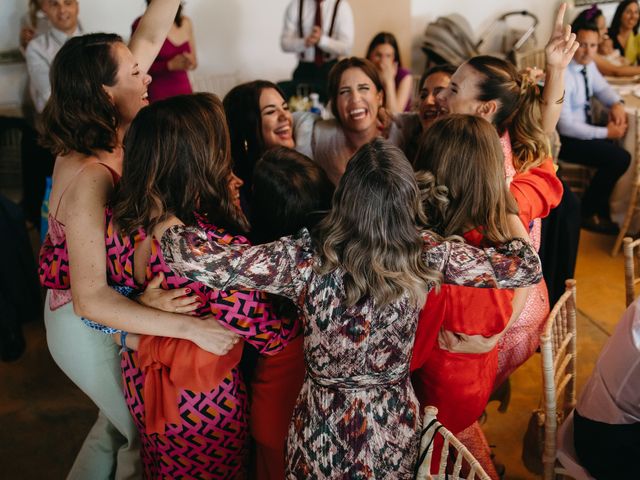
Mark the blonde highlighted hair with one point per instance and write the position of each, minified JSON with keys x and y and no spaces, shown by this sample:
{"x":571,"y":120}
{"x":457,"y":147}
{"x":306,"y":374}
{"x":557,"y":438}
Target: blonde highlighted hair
{"x":464,"y":154}
{"x":372,"y":234}
{"x":518,"y":109}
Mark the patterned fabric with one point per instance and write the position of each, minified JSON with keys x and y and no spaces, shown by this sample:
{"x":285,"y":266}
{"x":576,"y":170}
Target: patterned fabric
{"x":53,"y":265}
{"x":522,"y":338}
{"x":127,"y":292}
{"x":357,"y":415}
{"x":211,"y":440}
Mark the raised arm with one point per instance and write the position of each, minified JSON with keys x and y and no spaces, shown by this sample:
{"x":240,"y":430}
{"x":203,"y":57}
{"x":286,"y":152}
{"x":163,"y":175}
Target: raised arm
{"x":280,"y":267}
{"x":512,"y":265}
{"x":152,"y":31}
{"x":558,"y":52}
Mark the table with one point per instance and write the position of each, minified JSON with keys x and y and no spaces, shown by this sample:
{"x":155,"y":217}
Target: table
{"x":619,"y":201}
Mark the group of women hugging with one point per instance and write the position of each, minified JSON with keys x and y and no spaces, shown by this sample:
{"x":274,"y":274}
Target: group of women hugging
{"x":269,"y":290}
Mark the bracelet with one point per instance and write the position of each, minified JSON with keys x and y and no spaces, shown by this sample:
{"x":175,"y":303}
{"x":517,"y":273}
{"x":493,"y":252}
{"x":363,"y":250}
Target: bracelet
{"x":560,"y":101}
{"x":123,"y":342}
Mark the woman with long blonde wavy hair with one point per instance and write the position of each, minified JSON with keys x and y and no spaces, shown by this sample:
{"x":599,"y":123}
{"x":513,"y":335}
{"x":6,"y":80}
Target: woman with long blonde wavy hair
{"x":360,"y":278}
{"x":455,"y":355}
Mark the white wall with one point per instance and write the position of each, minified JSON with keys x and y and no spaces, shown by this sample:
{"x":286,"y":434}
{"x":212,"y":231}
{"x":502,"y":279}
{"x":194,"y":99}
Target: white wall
{"x":242,"y":36}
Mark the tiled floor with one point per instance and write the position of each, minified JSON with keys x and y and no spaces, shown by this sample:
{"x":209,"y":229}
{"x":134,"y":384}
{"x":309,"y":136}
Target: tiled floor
{"x":44,"y":418}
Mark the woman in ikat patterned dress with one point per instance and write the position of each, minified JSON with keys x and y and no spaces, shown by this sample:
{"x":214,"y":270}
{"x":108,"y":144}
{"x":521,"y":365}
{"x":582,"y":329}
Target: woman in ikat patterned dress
{"x":360,"y":279}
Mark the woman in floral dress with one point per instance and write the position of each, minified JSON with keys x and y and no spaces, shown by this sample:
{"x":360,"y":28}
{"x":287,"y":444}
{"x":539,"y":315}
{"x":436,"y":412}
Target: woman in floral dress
{"x":360,"y":280}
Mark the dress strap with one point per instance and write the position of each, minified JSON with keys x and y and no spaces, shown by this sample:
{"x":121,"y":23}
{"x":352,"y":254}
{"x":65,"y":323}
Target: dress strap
{"x":114,"y":176}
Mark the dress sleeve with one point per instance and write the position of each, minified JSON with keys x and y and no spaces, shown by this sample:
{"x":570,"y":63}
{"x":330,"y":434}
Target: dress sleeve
{"x":280,"y":267}
{"x":512,"y":265}
{"x":536,"y":191}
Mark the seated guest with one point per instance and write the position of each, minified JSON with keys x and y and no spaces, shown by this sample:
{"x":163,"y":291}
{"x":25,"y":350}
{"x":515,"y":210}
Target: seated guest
{"x":624,"y":30}
{"x":176,"y":57}
{"x":584,"y":142}
{"x":319,"y":33}
{"x":384,"y":54}
{"x":607,"y":417}
{"x":608,"y":59}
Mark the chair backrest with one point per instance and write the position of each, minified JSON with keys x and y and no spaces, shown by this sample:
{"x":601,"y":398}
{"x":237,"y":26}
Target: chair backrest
{"x":454,"y":453}
{"x":558,"y":352}
{"x":530,"y":59}
{"x":631,"y":261}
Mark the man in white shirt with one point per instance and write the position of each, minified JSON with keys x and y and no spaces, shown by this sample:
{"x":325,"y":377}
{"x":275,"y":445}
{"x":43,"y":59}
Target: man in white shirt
{"x":607,"y":416}
{"x":583,"y":141}
{"x":37,"y":162}
{"x":63,"y":17}
{"x":319,"y":31}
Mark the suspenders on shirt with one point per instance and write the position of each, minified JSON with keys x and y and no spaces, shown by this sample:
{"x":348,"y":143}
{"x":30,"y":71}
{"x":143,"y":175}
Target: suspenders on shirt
{"x":331,"y":28}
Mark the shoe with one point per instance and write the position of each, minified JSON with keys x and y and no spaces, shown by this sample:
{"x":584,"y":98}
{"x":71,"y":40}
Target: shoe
{"x":599,"y":224}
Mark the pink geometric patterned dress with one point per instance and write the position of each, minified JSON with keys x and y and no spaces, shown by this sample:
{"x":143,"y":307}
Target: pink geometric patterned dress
{"x":210,"y":441}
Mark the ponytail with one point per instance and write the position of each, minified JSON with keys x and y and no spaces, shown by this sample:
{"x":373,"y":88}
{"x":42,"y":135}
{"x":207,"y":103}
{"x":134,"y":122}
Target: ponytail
{"x":518,"y":109}
{"x":529,"y":142}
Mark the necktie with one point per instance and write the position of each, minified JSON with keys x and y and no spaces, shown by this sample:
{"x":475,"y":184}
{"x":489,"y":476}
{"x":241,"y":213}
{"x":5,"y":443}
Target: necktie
{"x":587,"y":106}
{"x":319,"y":59}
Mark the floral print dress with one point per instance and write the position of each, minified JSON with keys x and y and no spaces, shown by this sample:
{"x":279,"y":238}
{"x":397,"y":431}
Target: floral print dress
{"x":357,"y":415}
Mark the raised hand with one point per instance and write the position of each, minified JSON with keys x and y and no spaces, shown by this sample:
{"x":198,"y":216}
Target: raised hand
{"x":562,"y":43}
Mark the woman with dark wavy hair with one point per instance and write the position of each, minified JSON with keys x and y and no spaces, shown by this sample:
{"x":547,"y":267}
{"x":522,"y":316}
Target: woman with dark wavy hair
{"x":258,"y":117}
{"x":98,"y":86}
{"x":360,"y":278}
{"x":624,"y":30}
{"x":177,"y":171}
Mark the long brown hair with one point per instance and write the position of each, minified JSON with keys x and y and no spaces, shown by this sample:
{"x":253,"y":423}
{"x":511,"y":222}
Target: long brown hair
{"x":335,"y":75}
{"x":177,"y":162}
{"x":79,"y":115}
{"x":518,"y":109}
{"x":464,"y":154}
{"x":371,"y":233}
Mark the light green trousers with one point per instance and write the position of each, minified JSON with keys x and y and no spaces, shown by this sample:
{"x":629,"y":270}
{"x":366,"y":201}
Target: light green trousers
{"x":90,"y":359}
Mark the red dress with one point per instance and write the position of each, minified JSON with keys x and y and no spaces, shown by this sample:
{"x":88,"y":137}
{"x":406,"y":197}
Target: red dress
{"x":458,"y":384}
{"x":276,"y":383}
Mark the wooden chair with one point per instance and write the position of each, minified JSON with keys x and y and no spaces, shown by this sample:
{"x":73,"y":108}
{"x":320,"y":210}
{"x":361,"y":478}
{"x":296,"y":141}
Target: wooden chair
{"x":530,"y":59}
{"x":633,"y":207}
{"x":452,"y":450}
{"x":558,"y":352}
{"x":631,"y":261}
